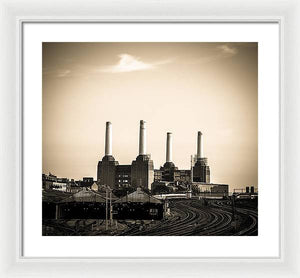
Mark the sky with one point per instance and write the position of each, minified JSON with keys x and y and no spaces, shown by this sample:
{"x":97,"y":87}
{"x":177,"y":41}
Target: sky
{"x":181,"y":88}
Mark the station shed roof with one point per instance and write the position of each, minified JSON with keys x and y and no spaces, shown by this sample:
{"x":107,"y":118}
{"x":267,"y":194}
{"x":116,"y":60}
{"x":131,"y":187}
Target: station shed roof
{"x":102,"y":192}
{"x":138,"y":196}
{"x":113,"y":196}
{"x":54,"y":196}
{"x":85,"y":195}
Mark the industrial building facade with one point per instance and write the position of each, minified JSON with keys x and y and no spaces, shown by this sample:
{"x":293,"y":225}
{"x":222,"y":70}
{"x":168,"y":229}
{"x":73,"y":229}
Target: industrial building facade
{"x":141,"y":172}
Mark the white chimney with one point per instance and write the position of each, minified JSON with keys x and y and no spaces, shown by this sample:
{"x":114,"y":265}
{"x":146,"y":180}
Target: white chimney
{"x":108,"y":139}
{"x":169,"y":147}
{"x":142,"y":147}
{"x":199,"y":145}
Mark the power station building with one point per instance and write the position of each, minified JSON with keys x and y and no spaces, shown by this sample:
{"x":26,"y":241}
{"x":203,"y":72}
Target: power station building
{"x":142,"y":169}
{"x":106,"y":173}
{"x":199,"y":171}
{"x":141,"y":172}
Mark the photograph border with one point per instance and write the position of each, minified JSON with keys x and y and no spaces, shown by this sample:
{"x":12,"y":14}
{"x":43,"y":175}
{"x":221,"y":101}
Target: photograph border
{"x":12,"y":264}
{"x":278,"y":20}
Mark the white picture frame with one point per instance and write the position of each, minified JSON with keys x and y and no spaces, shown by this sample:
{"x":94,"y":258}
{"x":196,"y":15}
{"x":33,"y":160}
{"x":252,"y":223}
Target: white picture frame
{"x":12,"y":17}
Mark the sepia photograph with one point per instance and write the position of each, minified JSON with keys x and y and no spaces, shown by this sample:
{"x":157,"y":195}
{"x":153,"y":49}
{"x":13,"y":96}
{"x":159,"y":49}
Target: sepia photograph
{"x":150,"y":139}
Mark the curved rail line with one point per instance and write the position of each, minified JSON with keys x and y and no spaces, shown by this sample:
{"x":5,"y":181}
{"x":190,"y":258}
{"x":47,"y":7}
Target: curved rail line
{"x":192,"y":218}
{"x":189,"y":218}
{"x":250,"y":216}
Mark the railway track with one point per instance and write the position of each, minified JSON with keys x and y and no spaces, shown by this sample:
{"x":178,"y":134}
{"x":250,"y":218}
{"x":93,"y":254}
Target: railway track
{"x":250,"y":215}
{"x":192,"y":218}
{"x":252,"y":229}
{"x":62,"y":228}
{"x":189,"y":218}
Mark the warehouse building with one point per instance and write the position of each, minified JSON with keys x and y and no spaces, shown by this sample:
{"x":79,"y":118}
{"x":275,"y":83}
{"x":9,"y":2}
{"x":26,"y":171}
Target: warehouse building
{"x":210,"y":190}
{"x":50,"y":202}
{"x":85,"y":204}
{"x":138,"y":205}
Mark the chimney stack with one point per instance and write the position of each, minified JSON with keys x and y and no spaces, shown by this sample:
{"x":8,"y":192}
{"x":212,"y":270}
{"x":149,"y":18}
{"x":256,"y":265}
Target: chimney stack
{"x":108,"y":139}
{"x":142,"y":147}
{"x":199,"y":146}
{"x":169,"y":147}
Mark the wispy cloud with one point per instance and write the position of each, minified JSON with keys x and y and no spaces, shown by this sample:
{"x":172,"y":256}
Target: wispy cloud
{"x":57,"y":73}
{"x":126,"y":63}
{"x":63,"y":73}
{"x":220,"y":52}
{"x":129,"y":63}
{"x":228,"y":50}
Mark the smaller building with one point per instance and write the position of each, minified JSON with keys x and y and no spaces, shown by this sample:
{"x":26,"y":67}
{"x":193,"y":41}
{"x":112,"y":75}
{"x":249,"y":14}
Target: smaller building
{"x":123,"y":176}
{"x":87,"y":181}
{"x":85,"y":204}
{"x":95,"y":187}
{"x":172,"y":174}
{"x":184,"y":176}
{"x":163,"y":187}
{"x":158,"y":175}
{"x":47,"y":181}
{"x":138,"y":205}
{"x":53,"y":182}
{"x":50,"y":200}
{"x":210,"y":190}
{"x":74,"y":186}
{"x":60,"y":186}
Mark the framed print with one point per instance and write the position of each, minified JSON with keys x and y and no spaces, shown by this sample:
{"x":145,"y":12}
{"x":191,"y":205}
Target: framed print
{"x":153,"y":141}
{"x":139,"y":200}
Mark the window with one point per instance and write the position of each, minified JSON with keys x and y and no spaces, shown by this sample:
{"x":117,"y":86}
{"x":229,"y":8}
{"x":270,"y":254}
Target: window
{"x":153,"y":211}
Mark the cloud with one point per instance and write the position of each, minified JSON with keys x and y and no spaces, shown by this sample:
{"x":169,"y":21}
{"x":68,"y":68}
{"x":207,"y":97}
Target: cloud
{"x":57,"y":73}
{"x":220,"y":52}
{"x":129,"y":63}
{"x":227,"y":50}
{"x":63,"y":73}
